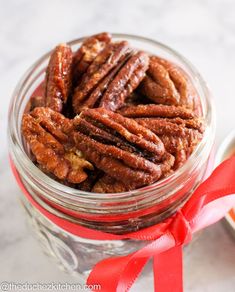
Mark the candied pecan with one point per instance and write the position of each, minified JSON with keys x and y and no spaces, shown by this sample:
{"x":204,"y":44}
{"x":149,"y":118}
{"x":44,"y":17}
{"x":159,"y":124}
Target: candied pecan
{"x":114,"y":128}
{"x":119,"y":146}
{"x":126,"y":81}
{"x":108,"y":184}
{"x":167,"y":83}
{"x":179,"y":128}
{"x":155,"y":110}
{"x":35,"y":101}
{"x":87,"y":52}
{"x":163,"y":119}
{"x":93,"y":176}
{"x":168,"y":161}
{"x":105,"y":61}
{"x":119,"y":83}
{"x":58,"y":77}
{"x":48,"y":135}
{"x":94,"y":98}
{"x":111,"y":77}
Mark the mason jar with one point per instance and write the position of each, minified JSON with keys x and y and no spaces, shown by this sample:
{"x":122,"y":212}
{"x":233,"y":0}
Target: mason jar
{"x":117,"y":213}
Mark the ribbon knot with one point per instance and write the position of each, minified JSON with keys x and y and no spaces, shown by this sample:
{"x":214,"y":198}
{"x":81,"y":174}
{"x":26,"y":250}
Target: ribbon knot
{"x":180,"y":229}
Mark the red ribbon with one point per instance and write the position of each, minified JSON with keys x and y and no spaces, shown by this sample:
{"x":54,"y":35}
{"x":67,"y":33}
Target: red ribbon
{"x":209,"y":203}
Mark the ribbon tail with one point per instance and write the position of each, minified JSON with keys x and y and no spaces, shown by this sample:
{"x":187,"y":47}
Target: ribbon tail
{"x":168,"y":270}
{"x":117,"y":274}
{"x":219,"y":184}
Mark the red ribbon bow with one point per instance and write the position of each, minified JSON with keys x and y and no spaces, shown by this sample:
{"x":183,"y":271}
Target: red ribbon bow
{"x":209,"y":203}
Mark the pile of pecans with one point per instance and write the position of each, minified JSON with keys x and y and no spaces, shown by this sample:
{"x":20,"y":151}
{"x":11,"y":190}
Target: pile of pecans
{"x":112,"y":118}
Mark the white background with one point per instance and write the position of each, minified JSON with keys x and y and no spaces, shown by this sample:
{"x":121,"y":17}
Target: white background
{"x":203,"y":31}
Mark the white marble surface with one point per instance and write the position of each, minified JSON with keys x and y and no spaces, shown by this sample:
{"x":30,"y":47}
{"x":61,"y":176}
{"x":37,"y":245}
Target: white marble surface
{"x":203,"y":31}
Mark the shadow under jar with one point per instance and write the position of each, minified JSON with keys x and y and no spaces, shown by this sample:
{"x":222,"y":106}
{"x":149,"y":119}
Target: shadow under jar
{"x":117,"y":213}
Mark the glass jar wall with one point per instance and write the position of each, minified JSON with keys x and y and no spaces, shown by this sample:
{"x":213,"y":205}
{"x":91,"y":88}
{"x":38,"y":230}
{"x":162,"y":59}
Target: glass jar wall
{"x":115,"y":213}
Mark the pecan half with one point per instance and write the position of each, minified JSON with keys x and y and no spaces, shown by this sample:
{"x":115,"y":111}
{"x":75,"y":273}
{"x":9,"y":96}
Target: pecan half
{"x":166,"y":83}
{"x":179,"y":128}
{"x":126,"y":81}
{"x":35,"y":101}
{"x":100,"y":67}
{"x":108,"y":184}
{"x":48,"y":135}
{"x":155,"y":110}
{"x":119,"y":146}
{"x":88,"y":184}
{"x":112,"y":76}
{"x":86,"y":54}
{"x":58,"y":77}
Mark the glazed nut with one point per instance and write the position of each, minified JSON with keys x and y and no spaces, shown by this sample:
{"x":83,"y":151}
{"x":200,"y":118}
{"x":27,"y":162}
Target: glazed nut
{"x":179,"y":128}
{"x":126,"y":81}
{"x":87,"y":52}
{"x":119,"y":146}
{"x":139,"y":117}
{"x":108,"y":184}
{"x":100,"y":67}
{"x":48,"y":134}
{"x":112,"y":76}
{"x":58,"y":77}
{"x":166,"y":83}
{"x":35,"y":101}
{"x":93,"y":177}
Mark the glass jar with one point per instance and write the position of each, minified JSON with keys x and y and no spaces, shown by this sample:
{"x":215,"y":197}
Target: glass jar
{"x":115,"y":213}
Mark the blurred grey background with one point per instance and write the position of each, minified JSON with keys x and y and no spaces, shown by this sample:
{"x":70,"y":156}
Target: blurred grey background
{"x":201,"y":30}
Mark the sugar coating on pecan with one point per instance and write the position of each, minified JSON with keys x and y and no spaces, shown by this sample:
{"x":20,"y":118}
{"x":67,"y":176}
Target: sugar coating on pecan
{"x":93,"y":177}
{"x":140,"y":117}
{"x":126,"y":81}
{"x":93,"y":100}
{"x":48,"y":134}
{"x":111,"y":127}
{"x":179,"y":128}
{"x":35,"y":101}
{"x":108,"y":184}
{"x":155,"y":110}
{"x":111,"y":77}
{"x":119,"y":146}
{"x":105,"y":61}
{"x":167,"y":83}
{"x":87,"y":52}
{"x":58,"y":77}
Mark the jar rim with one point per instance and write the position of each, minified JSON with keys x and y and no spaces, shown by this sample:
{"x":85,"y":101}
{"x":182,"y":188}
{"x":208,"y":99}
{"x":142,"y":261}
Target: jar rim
{"x":71,"y":193}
